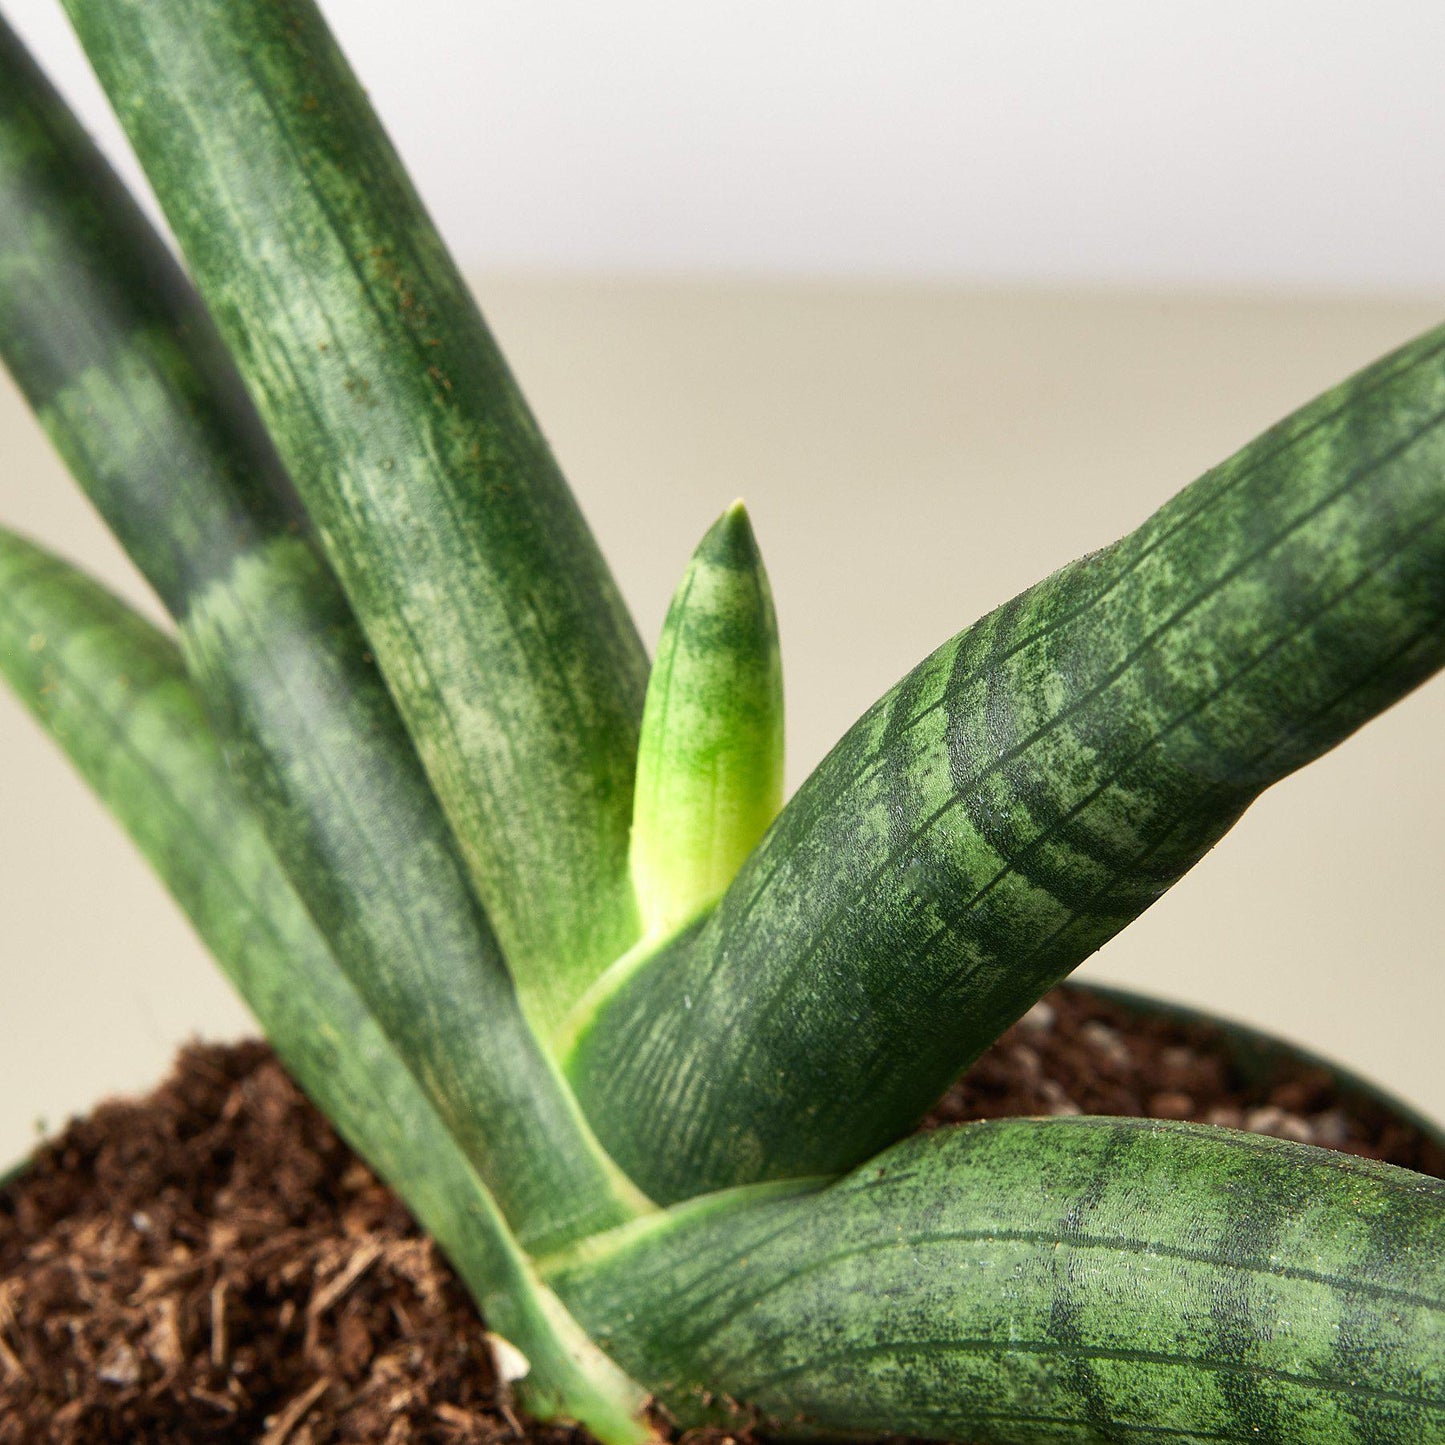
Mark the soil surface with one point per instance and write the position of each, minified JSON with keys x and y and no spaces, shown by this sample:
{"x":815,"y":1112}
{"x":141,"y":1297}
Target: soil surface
{"x":212,"y":1263}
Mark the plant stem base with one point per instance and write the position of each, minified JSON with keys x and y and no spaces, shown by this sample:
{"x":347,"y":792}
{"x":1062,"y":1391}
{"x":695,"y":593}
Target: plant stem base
{"x":212,"y":1263}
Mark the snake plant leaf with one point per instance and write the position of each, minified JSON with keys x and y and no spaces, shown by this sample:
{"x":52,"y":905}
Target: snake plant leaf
{"x":1079,"y":1279}
{"x":480,"y":588}
{"x":710,"y":763}
{"x":132,"y":382}
{"x":113,"y":693}
{"x":1028,"y":790}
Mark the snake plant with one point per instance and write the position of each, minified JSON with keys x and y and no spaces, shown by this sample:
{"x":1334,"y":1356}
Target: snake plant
{"x":640,"y":1046}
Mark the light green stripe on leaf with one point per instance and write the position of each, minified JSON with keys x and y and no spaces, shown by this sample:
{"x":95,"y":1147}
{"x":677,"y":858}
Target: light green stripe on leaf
{"x":480,"y":589}
{"x":1063,"y":1279}
{"x":710,"y":763}
{"x":113,"y":693}
{"x":116,"y":355}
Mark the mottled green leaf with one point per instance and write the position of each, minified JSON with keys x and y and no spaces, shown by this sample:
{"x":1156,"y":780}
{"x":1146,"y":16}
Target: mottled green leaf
{"x":113,"y":693}
{"x":479,"y":587}
{"x":1028,"y":790}
{"x":710,"y":763}
{"x":1047,"y":1280}
{"x":129,"y":377}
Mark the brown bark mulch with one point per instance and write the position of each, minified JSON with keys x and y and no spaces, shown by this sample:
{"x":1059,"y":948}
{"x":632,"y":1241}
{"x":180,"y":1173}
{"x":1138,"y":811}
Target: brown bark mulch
{"x":211,"y":1263}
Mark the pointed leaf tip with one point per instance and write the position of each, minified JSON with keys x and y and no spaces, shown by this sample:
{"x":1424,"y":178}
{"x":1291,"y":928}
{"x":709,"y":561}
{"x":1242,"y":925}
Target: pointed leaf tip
{"x":710,"y":762}
{"x":730,"y":541}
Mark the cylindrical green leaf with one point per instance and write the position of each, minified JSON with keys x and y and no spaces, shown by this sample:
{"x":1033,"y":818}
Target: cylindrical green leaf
{"x":1028,"y":790}
{"x":710,"y":763}
{"x":113,"y":693}
{"x":1079,"y":1280}
{"x":118,"y":358}
{"x":479,"y":586}
{"x":132,"y":382}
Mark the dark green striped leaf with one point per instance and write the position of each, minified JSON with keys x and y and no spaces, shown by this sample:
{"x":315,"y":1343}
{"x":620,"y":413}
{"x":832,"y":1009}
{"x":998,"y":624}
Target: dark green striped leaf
{"x":130,"y":379}
{"x":479,"y":587}
{"x":1028,"y":790}
{"x":113,"y":693}
{"x":1047,"y":1280}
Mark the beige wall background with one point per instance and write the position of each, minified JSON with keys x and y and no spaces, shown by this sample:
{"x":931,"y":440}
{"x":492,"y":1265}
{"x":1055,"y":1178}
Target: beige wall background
{"x":912,"y":456}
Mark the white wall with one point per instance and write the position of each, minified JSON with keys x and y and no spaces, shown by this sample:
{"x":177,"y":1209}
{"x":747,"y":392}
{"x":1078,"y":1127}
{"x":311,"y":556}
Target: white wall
{"x":1222,"y":143}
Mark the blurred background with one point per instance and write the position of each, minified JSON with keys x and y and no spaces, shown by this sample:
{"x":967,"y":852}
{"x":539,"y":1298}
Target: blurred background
{"x":951,"y":293}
